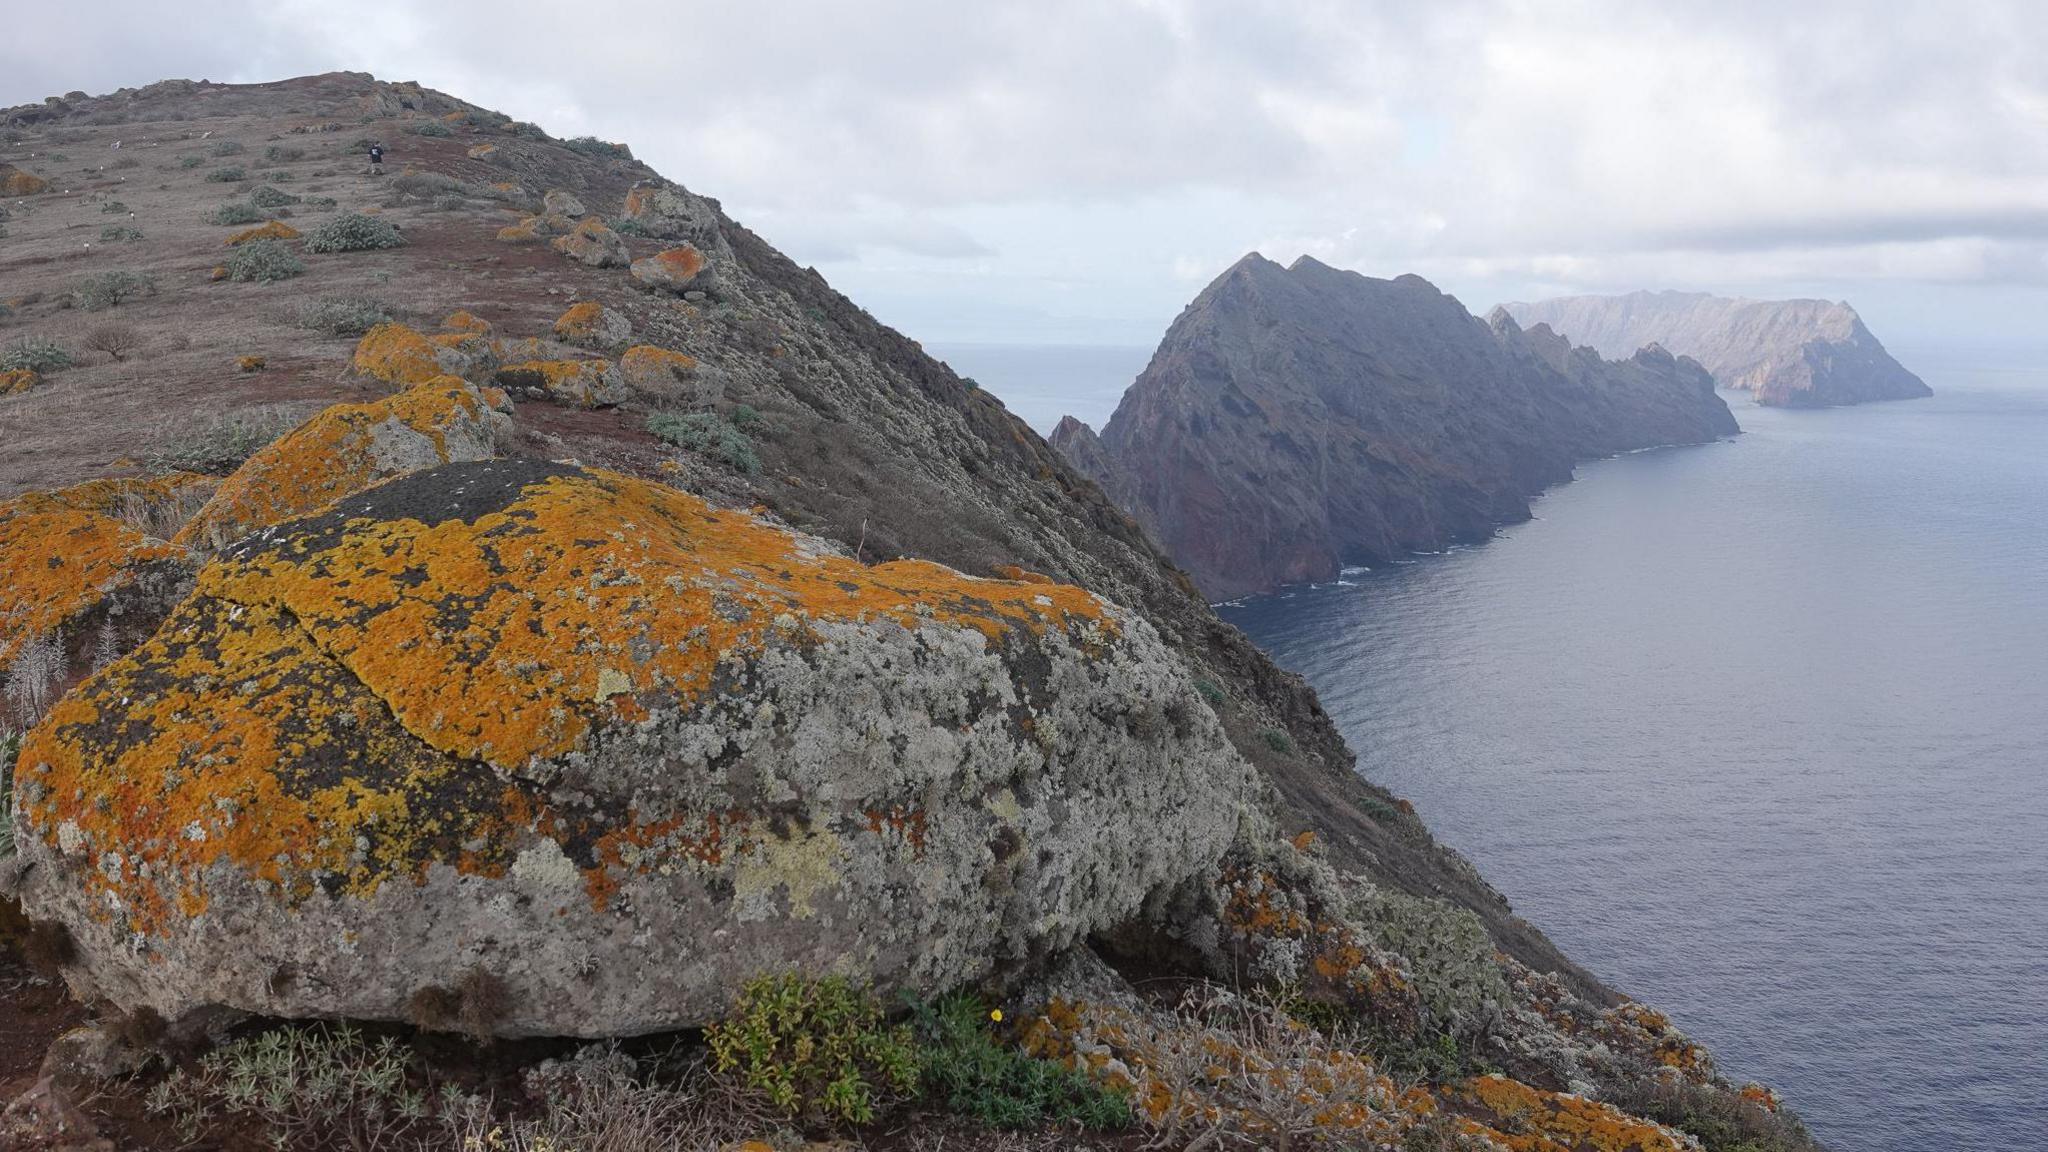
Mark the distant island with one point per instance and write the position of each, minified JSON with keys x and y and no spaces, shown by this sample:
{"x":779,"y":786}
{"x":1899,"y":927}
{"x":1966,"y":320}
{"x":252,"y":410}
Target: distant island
{"x":1298,"y":419}
{"x":1788,"y":353}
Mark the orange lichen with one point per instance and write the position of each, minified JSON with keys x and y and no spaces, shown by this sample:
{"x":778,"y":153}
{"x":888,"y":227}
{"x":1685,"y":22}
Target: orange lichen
{"x":593,"y":243}
{"x":1261,"y":910}
{"x":1018,"y":572}
{"x":580,"y":382}
{"x":582,"y":321}
{"x":483,"y":151}
{"x":397,"y":354}
{"x":330,"y":456}
{"x":15,"y":182}
{"x":275,"y":230}
{"x":527,"y":231}
{"x":251,"y":363}
{"x":466,"y":322}
{"x":644,"y":363}
{"x":63,"y":553}
{"x":590,"y":581}
{"x":639,"y":202}
{"x":18,"y":380}
{"x":1526,"y":1119}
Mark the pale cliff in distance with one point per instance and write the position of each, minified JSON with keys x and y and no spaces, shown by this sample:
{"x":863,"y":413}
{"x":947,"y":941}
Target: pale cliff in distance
{"x":1298,"y":419}
{"x":1788,"y":353}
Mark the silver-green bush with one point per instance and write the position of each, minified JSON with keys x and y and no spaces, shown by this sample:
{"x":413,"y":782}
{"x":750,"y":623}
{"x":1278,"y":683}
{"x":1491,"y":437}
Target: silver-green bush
{"x":354,"y":232}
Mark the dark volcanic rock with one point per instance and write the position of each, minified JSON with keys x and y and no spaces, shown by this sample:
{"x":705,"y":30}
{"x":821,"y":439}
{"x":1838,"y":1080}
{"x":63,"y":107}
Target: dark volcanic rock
{"x":1297,"y":419}
{"x":1790,"y":353}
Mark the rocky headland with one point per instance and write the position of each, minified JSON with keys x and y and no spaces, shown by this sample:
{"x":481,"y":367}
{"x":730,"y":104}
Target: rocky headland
{"x":1298,"y":419}
{"x":1788,"y":353}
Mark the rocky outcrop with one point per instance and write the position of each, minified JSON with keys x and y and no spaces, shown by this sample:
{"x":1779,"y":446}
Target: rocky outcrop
{"x":568,"y":730}
{"x":348,"y":448}
{"x":1789,"y":353}
{"x":1298,"y":419}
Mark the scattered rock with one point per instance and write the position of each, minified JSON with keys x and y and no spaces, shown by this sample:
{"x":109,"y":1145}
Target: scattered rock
{"x":589,"y":324}
{"x":484,"y":152}
{"x":594,"y":244}
{"x":397,"y":354}
{"x":48,"y":1118}
{"x":561,"y":203}
{"x":658,"y":373}
{"x":679,"y":269}
{"x":16,"y":183}
{"x":18,"y":380}
{"x":579,"y":383}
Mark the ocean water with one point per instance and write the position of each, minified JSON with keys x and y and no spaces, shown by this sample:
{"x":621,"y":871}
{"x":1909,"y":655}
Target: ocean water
{"x":1042,"y":382}
{"x":1758,"y":731}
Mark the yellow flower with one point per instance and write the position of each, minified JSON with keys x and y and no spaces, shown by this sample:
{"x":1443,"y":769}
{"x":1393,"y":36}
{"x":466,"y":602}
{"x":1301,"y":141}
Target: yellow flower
{"x":996,"y":1015}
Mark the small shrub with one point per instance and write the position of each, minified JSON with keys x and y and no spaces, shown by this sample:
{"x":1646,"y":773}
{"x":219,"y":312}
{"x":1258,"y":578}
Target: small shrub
{"x":964,"y":1070}
{"x":227,"y":148}
{"x":116,"y":340}
{"x":235,"y":212}
{"x":627,"y":226}
{"x":280,"y":154}
{"x":191,"y":161}
{"x":119,"y":232}
{"x":265,"y":196}
{"x":112,"y":206}
{"x":814,"y":1048}
{"x":221,"y":445}
{"x":279,"y":177}
{"x":35,"y":676}
{"x":709,"y":434}
{"x":35,"y":353}
{"x":344,"y":315}
{"x":354,"y":232}
{"x":262,"y":260}
{"x":103,"y":290}
{"x":230,"y":175}
{"x":1209,"y":690}
{"x":1277,"y":740}
{"x":311,"y":1087}
{"x":429,"y":128}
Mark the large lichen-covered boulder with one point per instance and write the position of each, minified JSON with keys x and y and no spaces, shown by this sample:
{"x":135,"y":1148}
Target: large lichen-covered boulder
{"x":402,"y":355}
{"x":349,"y":447}
{"x":663,"y":374}
{"x":590,"y":324}
{"x":592,"y":743}
{"x":16,"y":182}
{"x":94,"y":555}
{"x":674,"y":214}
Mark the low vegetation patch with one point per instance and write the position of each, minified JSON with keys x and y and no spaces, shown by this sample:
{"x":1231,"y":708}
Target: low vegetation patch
{"x":264,"y":196}
{"x":103,"y":290}
{"x":816,"y":1049}
{"x":281,"y":154}
{"x":261,"y":260}
{"x":344,"y":315}
{"x":220,"y":445}
{"x":10,"y":750}
{"x":115,"y":233}
{"x":354,"y":232}
{"x":234,"y":213}
{"x":966,"y":1070}
{"x":708,"y":434}
{"x":37,"y":354}
{"x":429,"y":128}
{"x":592,"y":146}
{"x":232,"y":174}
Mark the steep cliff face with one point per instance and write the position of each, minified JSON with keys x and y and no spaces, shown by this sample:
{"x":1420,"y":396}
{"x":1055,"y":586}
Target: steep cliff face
{"x":1789,"y":353}
{"x":1298,"y":419}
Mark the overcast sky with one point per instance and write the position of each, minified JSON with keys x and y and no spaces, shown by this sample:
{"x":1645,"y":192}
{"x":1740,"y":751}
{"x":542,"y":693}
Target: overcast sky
{"x":1053,"y":172}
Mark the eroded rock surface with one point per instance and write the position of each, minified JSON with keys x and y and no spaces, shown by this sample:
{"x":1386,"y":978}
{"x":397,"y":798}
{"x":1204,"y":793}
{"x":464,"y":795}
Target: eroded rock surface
{"x":611,"y":747}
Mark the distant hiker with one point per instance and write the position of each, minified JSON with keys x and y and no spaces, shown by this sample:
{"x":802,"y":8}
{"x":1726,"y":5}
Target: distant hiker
{"x":376,"y":159}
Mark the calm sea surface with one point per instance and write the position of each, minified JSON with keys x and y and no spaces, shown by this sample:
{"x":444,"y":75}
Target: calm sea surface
{"x":1756,"y":730}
